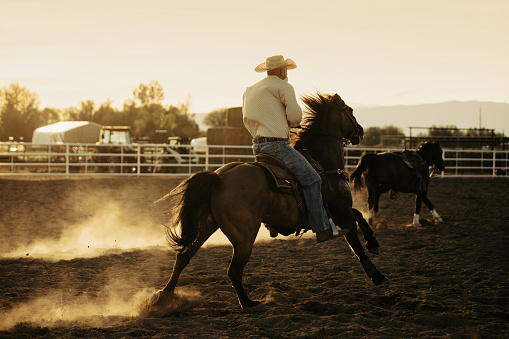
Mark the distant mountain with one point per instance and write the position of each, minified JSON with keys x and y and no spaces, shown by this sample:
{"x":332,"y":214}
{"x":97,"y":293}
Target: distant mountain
{"x":462,"y":114}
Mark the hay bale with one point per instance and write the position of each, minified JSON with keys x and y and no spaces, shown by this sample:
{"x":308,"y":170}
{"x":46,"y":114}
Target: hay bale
{"x":234,"y":117}
{"x":228,"y":136}
{"x":215,"y":136}
{"x":232,"y":136}
{"x":237,"y":136}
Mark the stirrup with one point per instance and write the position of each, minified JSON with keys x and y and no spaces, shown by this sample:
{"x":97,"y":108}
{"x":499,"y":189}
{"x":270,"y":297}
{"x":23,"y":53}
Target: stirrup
{"x":335,"y":231}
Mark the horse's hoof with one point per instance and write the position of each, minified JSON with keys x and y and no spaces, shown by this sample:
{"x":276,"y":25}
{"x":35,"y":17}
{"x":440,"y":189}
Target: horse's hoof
{"x":250,"y":303}
{"x":158,"y":298}
{"x":373,"y":246}
{"x":374,"y":250}
{"x":155,"y":305}
{"x":379,"y":279}
{"x":163,"y":304}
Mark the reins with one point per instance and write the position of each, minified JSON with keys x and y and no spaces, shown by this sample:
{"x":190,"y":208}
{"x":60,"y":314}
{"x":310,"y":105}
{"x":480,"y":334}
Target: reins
{"x":320,"y":169}
{"x":326,"y":134}
{"x":342,"y":172}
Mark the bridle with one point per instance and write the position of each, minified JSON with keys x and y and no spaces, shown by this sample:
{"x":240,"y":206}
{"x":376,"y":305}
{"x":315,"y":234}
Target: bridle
{"x":355,"y":130}
{"x":433,"y":163}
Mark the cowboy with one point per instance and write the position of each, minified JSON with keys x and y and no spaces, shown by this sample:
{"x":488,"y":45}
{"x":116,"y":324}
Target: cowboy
{"x":270,"y":109}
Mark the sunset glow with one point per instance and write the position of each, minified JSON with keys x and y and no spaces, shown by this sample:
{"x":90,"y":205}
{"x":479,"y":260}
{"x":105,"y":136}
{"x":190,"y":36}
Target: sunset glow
{"x":201,"y":52}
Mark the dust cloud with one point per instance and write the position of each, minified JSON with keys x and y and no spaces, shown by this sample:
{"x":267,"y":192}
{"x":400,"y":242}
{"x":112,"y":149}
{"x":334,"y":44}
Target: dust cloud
{"x":97,"y":225}
{"x":360,"y":202}
{"x":110,"y":228}
{"x":101,"y":222}
{"x":107,"y":222}
{"x":111,"y":305}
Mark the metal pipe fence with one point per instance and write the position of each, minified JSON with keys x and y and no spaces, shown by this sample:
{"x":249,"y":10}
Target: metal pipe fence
{"x":69,"y":160}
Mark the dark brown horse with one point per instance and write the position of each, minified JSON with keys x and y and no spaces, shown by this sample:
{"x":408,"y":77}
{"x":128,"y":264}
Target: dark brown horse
{"x":237,"y":198}
{"x":400,"y":172}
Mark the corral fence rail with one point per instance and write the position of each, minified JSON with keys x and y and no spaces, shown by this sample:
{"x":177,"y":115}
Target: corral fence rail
{"x":72,"y":159}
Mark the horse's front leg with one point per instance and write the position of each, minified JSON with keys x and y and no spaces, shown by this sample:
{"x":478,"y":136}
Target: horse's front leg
{"x":372,"y":244}
{"x":348,"y":220}
{"x":419,"y":199}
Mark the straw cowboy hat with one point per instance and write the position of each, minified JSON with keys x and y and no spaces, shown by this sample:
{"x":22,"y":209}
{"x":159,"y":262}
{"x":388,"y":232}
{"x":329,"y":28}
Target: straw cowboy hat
{"x":274,"y":62}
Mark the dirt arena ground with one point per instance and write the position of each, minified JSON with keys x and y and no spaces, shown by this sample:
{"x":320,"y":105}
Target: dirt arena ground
{"x":80,"y":258}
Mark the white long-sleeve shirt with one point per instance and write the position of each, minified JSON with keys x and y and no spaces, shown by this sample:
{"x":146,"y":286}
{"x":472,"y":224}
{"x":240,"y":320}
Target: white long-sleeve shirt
{"x":270,"y":108}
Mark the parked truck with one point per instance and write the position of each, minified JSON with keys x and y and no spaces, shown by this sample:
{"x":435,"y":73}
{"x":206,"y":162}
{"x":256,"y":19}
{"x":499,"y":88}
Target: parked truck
{"x":114,"y":152}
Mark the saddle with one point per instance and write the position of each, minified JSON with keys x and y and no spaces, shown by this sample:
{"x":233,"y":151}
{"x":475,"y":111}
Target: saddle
{"x":414,"y":162}
{"x":283,"y":181}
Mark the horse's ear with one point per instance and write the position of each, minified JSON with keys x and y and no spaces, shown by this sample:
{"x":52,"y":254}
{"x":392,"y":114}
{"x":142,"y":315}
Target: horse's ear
{"x":337,"y":99}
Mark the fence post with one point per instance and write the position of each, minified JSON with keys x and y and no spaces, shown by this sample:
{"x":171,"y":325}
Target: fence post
{"x":49,"y":159}
{"x":67,"y":161}
{"x":494,"y":167}
{"x":456,"y":170}
{"x":85,"y":157}
{"x":138,"y":165}
{"x":207,"y":157}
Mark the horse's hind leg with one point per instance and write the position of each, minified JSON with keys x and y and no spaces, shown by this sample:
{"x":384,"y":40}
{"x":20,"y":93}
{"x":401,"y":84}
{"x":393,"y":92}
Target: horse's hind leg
{"x":241,"y":255}
{"x":242,"y":241}
{"x":371,"y":203}
{"x":184,"y":257}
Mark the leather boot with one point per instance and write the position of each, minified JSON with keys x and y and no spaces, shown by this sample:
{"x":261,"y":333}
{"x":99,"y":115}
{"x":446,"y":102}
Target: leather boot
{"x":324,"y":235}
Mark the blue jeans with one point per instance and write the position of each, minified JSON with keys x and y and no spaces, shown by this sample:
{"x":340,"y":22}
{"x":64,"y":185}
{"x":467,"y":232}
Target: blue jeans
{"x":307,"y":176}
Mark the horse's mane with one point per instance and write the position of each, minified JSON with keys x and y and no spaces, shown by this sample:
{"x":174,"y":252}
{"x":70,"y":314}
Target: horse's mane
{"x":316,"y":105}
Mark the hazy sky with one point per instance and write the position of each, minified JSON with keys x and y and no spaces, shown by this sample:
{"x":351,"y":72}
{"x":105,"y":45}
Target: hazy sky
{"x":371,"y":52}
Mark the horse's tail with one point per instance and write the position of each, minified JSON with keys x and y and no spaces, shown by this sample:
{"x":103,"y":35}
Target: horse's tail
{"x":194,"y":193}
{"x":366,"y":162}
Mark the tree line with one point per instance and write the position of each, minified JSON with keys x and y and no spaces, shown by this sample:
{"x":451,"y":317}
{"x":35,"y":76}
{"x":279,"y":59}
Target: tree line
{"x":145,"y":113}
{"x":148,"y":118}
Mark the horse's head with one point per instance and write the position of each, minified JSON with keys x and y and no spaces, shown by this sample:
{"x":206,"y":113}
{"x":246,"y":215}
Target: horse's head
{"x":328,"y":117}
{"x":350,"y":129}
{"x":432,"y":153}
